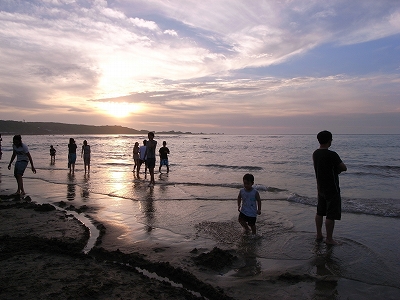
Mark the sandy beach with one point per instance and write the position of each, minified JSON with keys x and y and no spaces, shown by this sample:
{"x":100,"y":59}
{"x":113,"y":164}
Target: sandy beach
{"x":41,"y":258}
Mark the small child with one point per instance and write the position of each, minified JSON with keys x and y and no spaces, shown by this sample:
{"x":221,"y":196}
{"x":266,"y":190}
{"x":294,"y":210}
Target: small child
{"x":85,"y":153}
{"x":52,"y":154}
{"x":136,"y":158}
{"x":164,"y":151}
{"x":249,"y":204}
{"x":142,"y":158}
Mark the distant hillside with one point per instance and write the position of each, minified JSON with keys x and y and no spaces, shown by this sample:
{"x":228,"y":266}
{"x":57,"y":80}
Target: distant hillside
{"x":25,"y":128}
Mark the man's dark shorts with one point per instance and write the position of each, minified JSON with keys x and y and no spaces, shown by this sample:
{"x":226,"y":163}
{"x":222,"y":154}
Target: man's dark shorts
{"x":19,"y":167}
{"x":251,"y":221}
{"x":71,"y":158}
{"x":330,"y":206}
{"x":164,"y":162}
{"x":151,"y":163}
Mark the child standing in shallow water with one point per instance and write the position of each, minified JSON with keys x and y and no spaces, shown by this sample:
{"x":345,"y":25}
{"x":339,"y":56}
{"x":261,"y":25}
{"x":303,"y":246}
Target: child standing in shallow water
{"x":136,"y":158}
{"x":52,"y":155}
{"x":142,"y":158}
{"x":72,"y":155}
{"x":164,"y":151}
{"x":249,"y":204}
{"x":85,"y":153}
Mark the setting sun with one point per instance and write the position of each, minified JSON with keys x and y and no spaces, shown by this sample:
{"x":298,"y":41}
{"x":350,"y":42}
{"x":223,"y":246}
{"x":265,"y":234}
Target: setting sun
{"x":119,"y":110}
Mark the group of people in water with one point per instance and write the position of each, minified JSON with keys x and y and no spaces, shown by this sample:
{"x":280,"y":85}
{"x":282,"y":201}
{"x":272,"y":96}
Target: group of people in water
{"x":85,"y":154}
{"x":327,"y":166}
{"x":21,"y":152}
{"x":146,"y":154}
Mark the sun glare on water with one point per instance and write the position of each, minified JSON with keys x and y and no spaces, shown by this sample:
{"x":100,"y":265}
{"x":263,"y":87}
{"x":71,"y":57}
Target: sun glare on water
{"x":119,"y":109}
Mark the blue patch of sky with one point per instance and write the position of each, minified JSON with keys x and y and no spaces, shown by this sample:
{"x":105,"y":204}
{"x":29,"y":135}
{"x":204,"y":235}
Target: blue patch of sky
{"x":202,"y":38}
{"x":32,"y":7}
{"x":379,"y":56}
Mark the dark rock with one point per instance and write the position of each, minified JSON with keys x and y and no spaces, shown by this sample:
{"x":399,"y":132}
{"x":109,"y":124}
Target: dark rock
{"x":44,"y":207}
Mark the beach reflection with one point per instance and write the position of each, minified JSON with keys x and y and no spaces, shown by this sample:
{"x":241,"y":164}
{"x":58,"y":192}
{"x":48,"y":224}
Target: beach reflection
{"x":113,"y":182}
{"x":247,"y":247}
{"x":71,"y":188}
{"x":328,"y":271}
{"x":162,"y":179}
{"x":117,"y":180}
{"x":85,"y":187}
{"x":146,"y":206}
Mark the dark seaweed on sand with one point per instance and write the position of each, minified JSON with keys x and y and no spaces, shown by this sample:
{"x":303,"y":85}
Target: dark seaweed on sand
{"x":217,"y":259}
{"x":163,"y":269}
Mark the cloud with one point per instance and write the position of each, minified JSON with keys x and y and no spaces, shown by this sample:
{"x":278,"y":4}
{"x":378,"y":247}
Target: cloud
{"x":190,"y":59}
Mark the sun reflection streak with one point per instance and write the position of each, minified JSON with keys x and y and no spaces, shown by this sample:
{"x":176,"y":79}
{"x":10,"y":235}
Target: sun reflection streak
{"x":117,"y":185}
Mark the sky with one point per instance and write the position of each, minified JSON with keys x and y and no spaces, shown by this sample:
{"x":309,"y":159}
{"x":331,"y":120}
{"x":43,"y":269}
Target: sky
{"x":233,"y":67}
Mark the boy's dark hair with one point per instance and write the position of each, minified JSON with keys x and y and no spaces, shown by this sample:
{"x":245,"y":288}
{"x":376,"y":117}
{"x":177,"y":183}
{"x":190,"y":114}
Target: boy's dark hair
{"x":151,"y":133}
{"x":248,"y":177}
{"x":17,"y":137}
{"x":324,"y":137}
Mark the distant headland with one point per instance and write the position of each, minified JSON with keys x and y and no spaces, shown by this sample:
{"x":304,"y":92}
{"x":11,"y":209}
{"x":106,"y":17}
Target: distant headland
{"x":45,"y":128}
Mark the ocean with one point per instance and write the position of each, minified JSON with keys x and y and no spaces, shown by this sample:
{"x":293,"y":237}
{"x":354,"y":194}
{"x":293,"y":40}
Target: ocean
{"x":194,"y":205}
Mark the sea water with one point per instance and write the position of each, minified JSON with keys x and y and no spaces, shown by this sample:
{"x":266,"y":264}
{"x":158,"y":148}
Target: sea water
{"x":196,"y":200}
{"x":281,"y":164}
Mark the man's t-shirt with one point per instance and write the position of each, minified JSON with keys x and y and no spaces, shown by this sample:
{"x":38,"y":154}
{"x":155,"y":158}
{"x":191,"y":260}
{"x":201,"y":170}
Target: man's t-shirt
{"x":72,"y":148}
{"x":151,"y":149}
{"x":326,"y":163}
{"x":164,"y":151}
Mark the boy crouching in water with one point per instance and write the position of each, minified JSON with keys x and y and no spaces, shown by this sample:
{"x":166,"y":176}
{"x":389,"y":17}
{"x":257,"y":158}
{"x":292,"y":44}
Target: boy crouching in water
{"x":249,"y":204}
